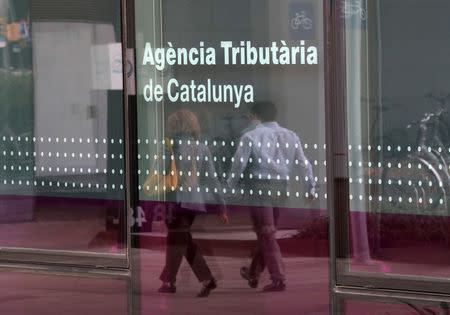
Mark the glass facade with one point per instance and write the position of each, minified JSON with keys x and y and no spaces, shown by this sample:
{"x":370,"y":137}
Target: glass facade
{"x":229,"y":157}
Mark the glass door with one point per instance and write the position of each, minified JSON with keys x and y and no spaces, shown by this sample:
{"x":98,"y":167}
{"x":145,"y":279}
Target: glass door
{"x":62,"y":187}
{"x":392,"y":219}
{"x":237,"y":88}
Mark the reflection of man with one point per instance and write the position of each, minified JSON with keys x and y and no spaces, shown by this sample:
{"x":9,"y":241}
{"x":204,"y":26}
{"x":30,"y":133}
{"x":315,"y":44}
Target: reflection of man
{"x":265,"y":161}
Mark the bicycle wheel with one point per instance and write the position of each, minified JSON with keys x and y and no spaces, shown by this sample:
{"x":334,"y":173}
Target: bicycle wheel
{"x":307,"y":24}
{"x":433,"y":185}
{"x":294,"y":24}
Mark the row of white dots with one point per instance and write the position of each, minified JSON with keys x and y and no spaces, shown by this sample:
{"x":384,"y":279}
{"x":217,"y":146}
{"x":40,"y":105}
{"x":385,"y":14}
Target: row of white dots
{"x":62,"y":184}
{"x":50,"y":169}
{"x":215,"y":158}
{"x":231,"y":143}
{"x":214,"y":143}
{"x":287,"y":194}
{"x":316,"y":146}
{"x":139,"y":141}
{"x":233,"y":175}
{"x":398,"y":182}
{"x":306,"y":179}
{"x":400,"y":199}
{"x":230,"y":191}
{"x":147,"y":156}
{"x":397,"y":165}
{"x":400,"y":148}
{"x":63,"y":154}
{"x":315,"y":162}
{"x":224,"y":159}
{"x":63,"y":140}
{"x":370,"y":164}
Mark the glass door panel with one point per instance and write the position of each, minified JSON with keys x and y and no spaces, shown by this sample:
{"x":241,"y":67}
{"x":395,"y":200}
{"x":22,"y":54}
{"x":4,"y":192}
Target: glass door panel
{"x":201,"y":98}
{"x":398,"y":120}
{"x":61,"y":131}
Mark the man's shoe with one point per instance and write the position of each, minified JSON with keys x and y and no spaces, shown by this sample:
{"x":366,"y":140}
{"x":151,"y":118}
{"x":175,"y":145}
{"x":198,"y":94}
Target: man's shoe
{"x":206,"y":289}
{"x":275,"y":286}
{"x":245,"y":273}
{"x":167,"y":288}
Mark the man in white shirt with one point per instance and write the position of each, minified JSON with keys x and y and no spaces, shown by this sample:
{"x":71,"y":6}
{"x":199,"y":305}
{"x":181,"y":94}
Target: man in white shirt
{"x":265,"y":164}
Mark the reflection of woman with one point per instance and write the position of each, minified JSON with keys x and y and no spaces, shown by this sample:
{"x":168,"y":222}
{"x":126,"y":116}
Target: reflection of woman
{"x":195,"y":181}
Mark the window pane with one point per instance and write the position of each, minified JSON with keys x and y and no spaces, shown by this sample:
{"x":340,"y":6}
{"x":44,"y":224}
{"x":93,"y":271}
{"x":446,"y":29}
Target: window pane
{"x":397,"y":100}
{"x":209,"y":76}
{"x":61,"y":133}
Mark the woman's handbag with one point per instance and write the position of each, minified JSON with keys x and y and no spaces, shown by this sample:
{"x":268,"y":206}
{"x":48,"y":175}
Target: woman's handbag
{"x":156,"y":182}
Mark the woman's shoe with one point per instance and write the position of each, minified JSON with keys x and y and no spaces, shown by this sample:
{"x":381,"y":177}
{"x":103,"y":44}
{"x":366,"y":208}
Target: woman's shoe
{"x":167,"y":288}
{"x":245,"y":273}
{"x":207,"y":288}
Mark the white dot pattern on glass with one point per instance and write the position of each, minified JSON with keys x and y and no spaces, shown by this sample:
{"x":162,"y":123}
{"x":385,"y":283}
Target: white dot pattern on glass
{"x":377,"y":166}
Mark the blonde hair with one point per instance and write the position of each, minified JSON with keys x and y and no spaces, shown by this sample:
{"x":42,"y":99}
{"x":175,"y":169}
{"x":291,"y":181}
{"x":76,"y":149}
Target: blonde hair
{"x":183,"y":123}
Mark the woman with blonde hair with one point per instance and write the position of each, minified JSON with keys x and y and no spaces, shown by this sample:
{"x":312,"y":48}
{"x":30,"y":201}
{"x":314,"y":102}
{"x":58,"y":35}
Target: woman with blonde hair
{"x":196,"y":181}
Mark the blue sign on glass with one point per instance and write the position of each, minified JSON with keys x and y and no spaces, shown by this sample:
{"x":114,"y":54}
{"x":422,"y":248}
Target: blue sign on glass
{"x":301,"y":20}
